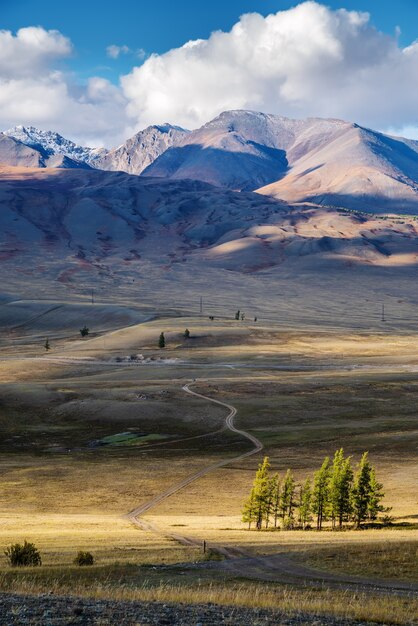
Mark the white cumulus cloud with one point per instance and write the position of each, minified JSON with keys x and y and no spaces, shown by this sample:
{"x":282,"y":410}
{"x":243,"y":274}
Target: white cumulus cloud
{"x":30,"y":50}
{"x":34,"y":90}
{"x":114,"y":52}
{"x":306,"y":61}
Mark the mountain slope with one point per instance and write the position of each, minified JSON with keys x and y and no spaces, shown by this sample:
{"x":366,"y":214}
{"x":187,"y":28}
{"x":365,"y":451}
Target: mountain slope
{"x":320,"y":161}
{"x":323,"y":161}
{"x":141,"y":150}
{"x":243,"y":149}
{"x":132,"y":157}
{"x":230,"y":152}
{"x":50,"y":144}
{"x":73,"y":226}
{"x":358,"y":169}
{"x":17,"y":154}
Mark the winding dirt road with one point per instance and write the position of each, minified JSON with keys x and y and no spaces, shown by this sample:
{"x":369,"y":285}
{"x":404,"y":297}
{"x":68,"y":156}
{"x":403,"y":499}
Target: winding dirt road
{"x":277,"y":567}
{"x":280,"y":567}
{"x":135,"y":515}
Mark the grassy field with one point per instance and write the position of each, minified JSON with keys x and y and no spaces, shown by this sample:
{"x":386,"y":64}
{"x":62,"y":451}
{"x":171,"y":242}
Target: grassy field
{"x":177,"y":584}
{"x":83,"y":444}
{"x":388,"y":559}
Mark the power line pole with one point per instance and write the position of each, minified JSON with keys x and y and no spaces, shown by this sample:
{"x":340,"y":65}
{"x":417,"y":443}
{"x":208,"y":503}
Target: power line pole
{"x":383,"y":313}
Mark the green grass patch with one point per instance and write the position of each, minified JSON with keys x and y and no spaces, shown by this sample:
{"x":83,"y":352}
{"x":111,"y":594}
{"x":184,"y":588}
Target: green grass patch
{"x":129,"y":439}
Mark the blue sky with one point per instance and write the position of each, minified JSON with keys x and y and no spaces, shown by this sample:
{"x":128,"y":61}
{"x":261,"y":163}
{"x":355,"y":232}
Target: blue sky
{"x":297,"y":59}
{"x":159,"y":25}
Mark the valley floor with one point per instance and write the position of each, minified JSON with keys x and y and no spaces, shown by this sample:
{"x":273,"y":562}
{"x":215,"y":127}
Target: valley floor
{"x":90,"y":432}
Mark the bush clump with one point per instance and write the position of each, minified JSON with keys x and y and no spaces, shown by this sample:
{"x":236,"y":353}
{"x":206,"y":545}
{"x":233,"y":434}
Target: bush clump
{"x":84,"y":558}
{"x":20,"y":555}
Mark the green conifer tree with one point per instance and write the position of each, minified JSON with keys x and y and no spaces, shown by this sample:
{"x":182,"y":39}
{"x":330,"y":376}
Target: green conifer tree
{"x":320,"y":493}
{"x":261,"y":491}
{"x":340,"y":487}
{"x":270,"y":492}
{"x":287,"y":497}
{"x":305,"y":503}
{"x":376,"y":496}
{"x":367,"y":493}
{"x":161,"y":341}
{"x":361,"y":491}
{"x":249,"y":510}
{"x":276,"y":499}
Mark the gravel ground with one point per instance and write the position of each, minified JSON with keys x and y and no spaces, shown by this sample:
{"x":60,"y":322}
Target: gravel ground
{"x":47,"y":610}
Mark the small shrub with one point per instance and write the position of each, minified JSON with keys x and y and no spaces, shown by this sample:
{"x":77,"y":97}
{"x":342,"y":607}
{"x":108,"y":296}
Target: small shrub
{"x":84,"y":331}
{"x":84,"y":558}
{"x":20,"y":555}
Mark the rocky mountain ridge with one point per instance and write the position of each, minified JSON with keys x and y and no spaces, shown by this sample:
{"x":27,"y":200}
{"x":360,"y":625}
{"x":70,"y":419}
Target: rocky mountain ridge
{"x":326,"y":162}
{"x":133,"y":156}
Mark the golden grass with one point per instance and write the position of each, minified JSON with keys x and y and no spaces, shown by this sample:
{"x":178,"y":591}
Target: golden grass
{"x":222,"y":340}
{"x":229,"y":530}
{"x":88,"y":484}
{"x":348,"y":604}
{"x":383,"y":559}
{"x":70,"y":502}
{"x":223,"y":491}
{"x":109,"y":537}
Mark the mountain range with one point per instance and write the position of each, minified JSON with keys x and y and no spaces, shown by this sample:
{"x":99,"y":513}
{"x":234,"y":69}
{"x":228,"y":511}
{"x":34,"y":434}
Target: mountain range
{"x":326,"y":162}
{"x":247,"y":192}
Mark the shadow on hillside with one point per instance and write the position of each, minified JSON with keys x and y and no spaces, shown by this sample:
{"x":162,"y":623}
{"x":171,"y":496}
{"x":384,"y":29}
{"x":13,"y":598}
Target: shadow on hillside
{"x":365,"y":203}
{"x":253,"y":170}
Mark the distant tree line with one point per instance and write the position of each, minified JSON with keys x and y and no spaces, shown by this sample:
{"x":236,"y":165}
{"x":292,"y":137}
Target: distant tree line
{"x":334,"y":494}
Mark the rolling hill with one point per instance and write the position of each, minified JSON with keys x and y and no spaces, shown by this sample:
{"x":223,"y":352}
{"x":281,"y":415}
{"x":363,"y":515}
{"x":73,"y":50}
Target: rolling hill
{"x":78,"y":219}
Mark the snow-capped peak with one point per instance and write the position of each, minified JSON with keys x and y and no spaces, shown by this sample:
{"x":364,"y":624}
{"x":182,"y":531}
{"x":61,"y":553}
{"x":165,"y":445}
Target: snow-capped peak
{"x":50,"y":143}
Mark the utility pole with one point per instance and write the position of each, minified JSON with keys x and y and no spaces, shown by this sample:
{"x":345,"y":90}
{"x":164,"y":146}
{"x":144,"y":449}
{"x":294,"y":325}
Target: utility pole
{"x":383,"y":313}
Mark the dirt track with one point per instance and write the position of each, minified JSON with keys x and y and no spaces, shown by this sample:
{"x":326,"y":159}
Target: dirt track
{"x":278,"y":567}
{"x":135,"y":515}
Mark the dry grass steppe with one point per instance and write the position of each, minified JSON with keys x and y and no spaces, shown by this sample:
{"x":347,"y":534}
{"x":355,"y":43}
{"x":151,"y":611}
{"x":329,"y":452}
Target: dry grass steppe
{"x":303,"y":393}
